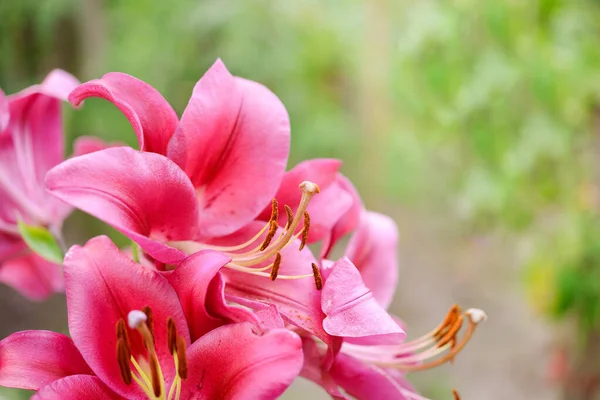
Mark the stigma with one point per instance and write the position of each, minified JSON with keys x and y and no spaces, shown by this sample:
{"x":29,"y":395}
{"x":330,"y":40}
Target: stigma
{"x":433,"y":349}
{"x":145,"y":369}
{"x":263,"y":257}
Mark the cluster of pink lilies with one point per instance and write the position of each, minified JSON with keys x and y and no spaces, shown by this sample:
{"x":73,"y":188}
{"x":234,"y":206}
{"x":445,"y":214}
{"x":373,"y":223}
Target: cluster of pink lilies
{"x":219,"y":296}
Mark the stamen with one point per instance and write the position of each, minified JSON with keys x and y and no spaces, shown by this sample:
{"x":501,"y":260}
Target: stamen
{"x":171,"y":336}
{"x":274,"y":211}
{"x":455,"y":394}
{"x":276,"y":265}
{"x":305,"y":230}
{"x":272,"y":230}
{"x":155,"y":374}
{"x":122,"y":333}
{"x":182,"y":368}
{"x":150,"y":322}
{"x":317,"y":275}
{"x":290,"y":215}
{"x":123,"y":355}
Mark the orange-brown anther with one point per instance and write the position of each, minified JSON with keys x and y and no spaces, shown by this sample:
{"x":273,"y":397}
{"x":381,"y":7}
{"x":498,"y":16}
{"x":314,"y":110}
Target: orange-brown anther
{"x":272,"y":229}
{"x":448,"y":321}
{"x":452,"y":331}
{"x":156,"y":379}
{"x":455,"y":394}
{"x":318,"y":277}
{"x":122,"y":333}
{"x":171,"y":336}
{"x":149,"y":321}
{"x":274,"y":211}
{"x":305,"y":230}
{"x":289,"y":213}
{"x":276,"y":265}
{"x":123,"y":355}
{"x":182,"y":368}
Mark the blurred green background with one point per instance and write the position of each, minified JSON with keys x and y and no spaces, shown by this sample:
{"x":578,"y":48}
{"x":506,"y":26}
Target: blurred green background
{"x":475,"y":124}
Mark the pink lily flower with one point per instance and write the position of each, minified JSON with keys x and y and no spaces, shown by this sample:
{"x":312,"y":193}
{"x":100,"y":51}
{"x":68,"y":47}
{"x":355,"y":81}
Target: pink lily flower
{"x":368,"y":367}
{"x":31,"y":143}
{"x":131,"y":340}
{"x":207,"y":175}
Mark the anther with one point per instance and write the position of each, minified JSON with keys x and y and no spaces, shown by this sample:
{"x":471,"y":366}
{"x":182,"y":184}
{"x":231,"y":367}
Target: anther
{"x":272,"y":229}
{"x":122,"y":333}
{"x":150,"y":322}
{"x":182,"y":368}
{"x":274,"y":211}
{"x":171,"y":336}
{"x":156,"y":379}
{"x":452,"y":331}
{"x":305,"y":230}
{"x":455,"y":394}
{"x":275,"y":269}
{"x":123,"y":355}
{"x":318,"y":278}
{"x":289,"y":213}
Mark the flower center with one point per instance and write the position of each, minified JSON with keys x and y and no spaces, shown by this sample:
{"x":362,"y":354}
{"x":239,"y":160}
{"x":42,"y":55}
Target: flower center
{"x":256,"y":253}
{"x":430,"y":350}
{"x":147,"y":373}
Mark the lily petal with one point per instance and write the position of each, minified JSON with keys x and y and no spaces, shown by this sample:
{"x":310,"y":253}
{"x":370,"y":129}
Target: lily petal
{"x":352,"y":311}
{"x":233,"y":142}
{"x":89,"y":144}
{"x":152,"y":118}
{"x":32,"y":359}
{"x":32,"y":276}
{"x":369,"y":382}
{"x":191,"y":280}
{"x":76,"y":387}
{"x":144,"y":195}
{"x":374,"y":251}
{"x":103,"y":285}
{"x":235,"y":362}
{"x":348,"y":221}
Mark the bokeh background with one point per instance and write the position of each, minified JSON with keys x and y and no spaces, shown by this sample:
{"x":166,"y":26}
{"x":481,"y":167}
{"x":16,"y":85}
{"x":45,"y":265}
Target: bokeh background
{"x":475,"y":124}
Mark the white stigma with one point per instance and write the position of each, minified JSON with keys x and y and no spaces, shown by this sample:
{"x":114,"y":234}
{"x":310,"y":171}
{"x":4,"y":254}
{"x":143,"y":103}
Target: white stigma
{"x":135,"y":318}
{"x":309,"y":187}
{"x":476,"y":315}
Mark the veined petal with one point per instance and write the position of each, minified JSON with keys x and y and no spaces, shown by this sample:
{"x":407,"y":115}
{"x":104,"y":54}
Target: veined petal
{"x":32,"y":276}
{"x":191,"y":280}
{"x":236,"y":362}
{"x":33,"y":359}
{"x":352,"y":311}
{"x":102,"y":286}
{"x":348,"y":221}
{"x":233,"y":142}
{"x":144,"y":195}
{"x":374,"y":251}
{"x":76,"y":387}
{"x":152,"y":118}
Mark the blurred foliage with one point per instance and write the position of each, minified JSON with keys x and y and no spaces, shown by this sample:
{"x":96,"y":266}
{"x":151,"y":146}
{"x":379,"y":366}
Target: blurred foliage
{"x":487,"y":107}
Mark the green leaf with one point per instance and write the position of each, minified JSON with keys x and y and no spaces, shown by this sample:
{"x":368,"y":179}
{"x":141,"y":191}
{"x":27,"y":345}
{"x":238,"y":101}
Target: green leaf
{"x":41,"y":242}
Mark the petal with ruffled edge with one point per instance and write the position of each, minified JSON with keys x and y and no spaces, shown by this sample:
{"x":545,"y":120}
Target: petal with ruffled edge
{"x":348,"y":221}
{"x":233,"y":142}
{"x":236,"y":362}
{"x":32,"y":276}
{"x":191,"y":280}
{"x":102,"y":286}
{"x":152,"y":118}
{"x":32,"y":359}
{"x":352,"y":311}
{"x":145,"y":196}
{"x":76,"y":387}
{"x":374,"y":251}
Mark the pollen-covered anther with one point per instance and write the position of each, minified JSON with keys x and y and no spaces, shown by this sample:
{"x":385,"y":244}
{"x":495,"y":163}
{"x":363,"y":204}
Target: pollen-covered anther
{"x":455,"y":394}
{"x":156,"y":375}
{"x":272,"y":230}
{"x":171,"y":336}
{"x":305,"y":230}
{"x":123,"y":356}
{"x":317,"y":275}
{"x":182,"y":369}
{"x":274,"y":210}
{"x":275,"y":268}
{"x":290,"y":215}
